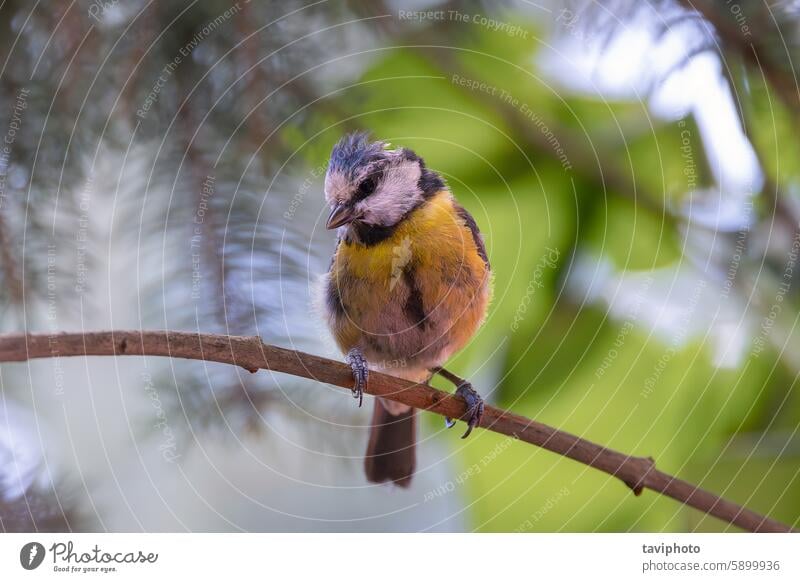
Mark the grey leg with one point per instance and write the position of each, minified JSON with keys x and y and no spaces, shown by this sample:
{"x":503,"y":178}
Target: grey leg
{"x":474,"y":402}
{"x":358,"y":363}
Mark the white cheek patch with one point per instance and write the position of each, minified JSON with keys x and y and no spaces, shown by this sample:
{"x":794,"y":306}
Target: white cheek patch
{"x":337,"y":188}
{"x":397,"y":194}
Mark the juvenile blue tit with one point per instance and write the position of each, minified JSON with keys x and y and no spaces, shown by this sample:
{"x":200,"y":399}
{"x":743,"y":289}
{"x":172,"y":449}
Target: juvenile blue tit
{"x":408,"y":286}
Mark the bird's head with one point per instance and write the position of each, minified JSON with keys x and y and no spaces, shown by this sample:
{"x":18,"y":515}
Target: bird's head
{"x":369,"y":184}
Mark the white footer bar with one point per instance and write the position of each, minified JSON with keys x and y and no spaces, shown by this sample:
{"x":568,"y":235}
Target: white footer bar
{"x":401,"y":557}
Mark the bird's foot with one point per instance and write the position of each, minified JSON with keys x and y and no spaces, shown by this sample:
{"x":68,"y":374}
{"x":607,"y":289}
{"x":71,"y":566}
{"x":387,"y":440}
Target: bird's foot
{"x":474,"y":407}
{"x":358,"y":363}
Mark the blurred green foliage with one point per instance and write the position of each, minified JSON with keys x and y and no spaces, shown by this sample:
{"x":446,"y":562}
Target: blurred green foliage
{"x":528,"y":203}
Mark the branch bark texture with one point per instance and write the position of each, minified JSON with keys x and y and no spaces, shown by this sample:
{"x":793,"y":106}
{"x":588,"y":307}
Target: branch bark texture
{"x":250,"y":353}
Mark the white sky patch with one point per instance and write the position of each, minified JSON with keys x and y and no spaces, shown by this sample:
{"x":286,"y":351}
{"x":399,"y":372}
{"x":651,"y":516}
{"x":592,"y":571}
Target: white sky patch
{"x":641,"y":61}
{"x":20,"y":458}
{"x":706,"y":94}
{"x":632,"y":65}
{"x":719,"y":212}
{"x":678,"y":304}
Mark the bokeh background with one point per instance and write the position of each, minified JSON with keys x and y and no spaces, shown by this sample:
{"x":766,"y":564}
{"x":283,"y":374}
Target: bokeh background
{"x":634,"y":168}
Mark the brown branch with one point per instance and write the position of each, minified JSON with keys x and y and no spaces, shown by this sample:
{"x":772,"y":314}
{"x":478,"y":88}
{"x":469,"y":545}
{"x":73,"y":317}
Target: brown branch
{"x":252,"y":354}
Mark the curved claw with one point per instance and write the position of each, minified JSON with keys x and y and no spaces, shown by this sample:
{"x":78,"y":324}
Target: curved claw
{"x":358,"y":363}
{"x":475,"y":406}
{"x":449,"y":422}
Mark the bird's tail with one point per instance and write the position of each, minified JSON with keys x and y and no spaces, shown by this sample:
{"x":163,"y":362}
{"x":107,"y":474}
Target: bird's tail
{"x":391,"y":451}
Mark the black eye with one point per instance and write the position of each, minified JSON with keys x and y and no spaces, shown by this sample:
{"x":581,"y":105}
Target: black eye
{"x":366,"y":187}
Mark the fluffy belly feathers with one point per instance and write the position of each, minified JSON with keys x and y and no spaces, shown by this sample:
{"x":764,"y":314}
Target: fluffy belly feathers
{"x":415,"y":298}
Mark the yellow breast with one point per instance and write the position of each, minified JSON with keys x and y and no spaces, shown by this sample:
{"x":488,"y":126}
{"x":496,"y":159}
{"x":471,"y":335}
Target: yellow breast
{"x":419,"y":294}
{"x":433,"y":236}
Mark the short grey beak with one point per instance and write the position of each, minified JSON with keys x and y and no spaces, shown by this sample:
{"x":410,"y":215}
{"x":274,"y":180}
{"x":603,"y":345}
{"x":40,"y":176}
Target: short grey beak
{"x":340,"y":215}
